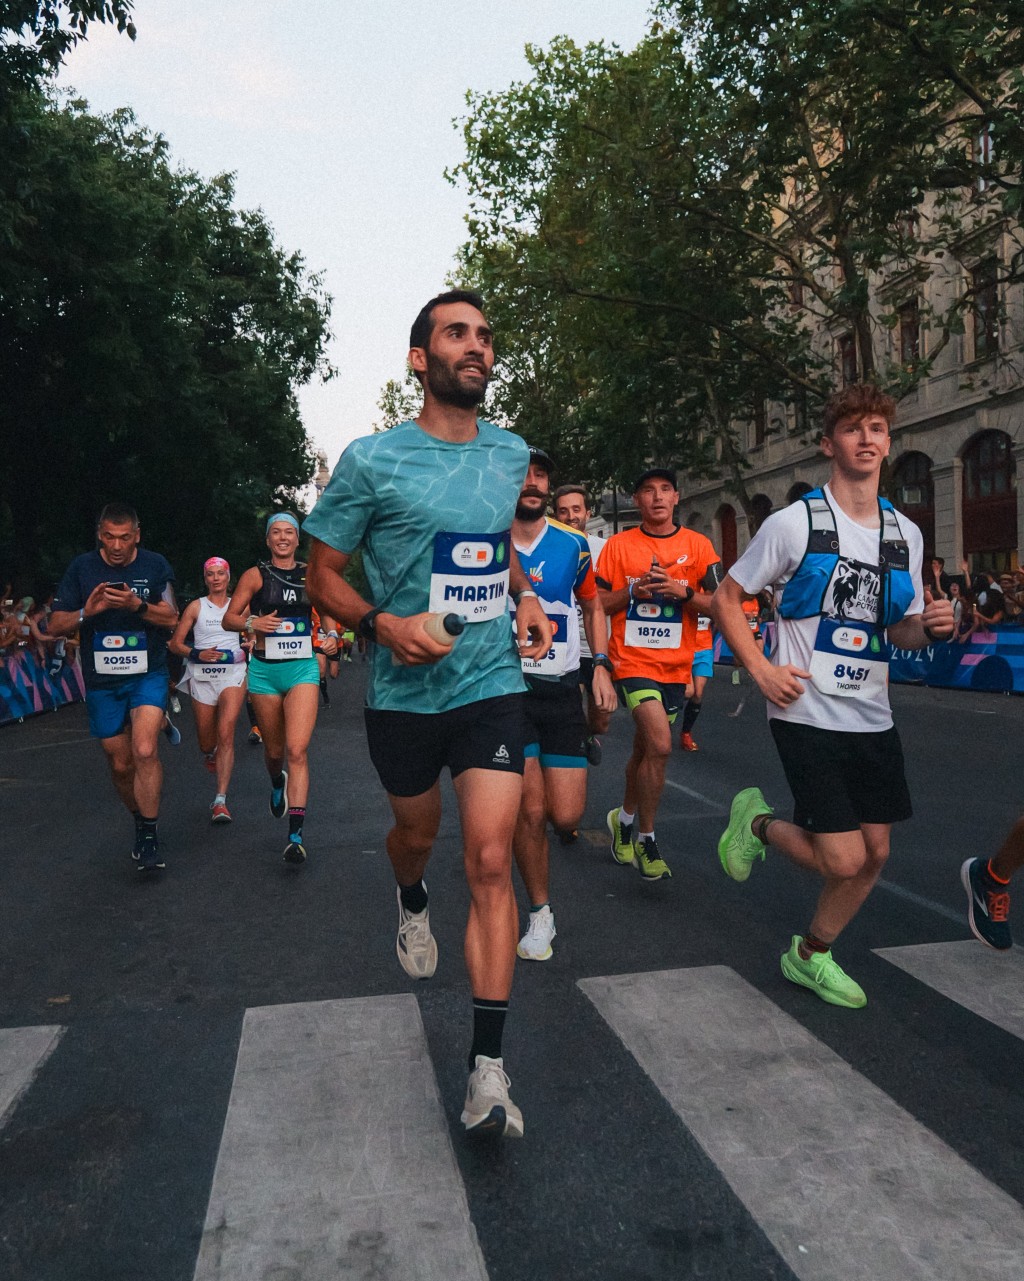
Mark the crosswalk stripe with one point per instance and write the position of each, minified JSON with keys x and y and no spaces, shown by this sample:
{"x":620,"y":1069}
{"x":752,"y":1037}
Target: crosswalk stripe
{"x":336,"y":1158}
{"x":23,"y":1051}
{"x":987,"y":982}
{"x":845,"y":1184}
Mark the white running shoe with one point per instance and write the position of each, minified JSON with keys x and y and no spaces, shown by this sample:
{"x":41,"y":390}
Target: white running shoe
{"x":535,"y":945}
{"x":416,"y":946}
{"x":488,"y":1110}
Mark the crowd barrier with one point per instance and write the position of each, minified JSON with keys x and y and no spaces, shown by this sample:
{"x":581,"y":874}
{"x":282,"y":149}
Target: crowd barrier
{"x":26,"y":688}
{"x":992,"y":660}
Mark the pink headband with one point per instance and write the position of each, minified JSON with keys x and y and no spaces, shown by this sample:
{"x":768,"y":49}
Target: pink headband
{"x":215,"y":562}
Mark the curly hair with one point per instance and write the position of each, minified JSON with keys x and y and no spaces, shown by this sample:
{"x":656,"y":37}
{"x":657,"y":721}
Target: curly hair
{"x":855,"y":401}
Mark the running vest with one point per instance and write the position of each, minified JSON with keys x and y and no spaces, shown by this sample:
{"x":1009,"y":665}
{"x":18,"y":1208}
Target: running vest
{"x":805,"y":593}
{"x":283,"y":591}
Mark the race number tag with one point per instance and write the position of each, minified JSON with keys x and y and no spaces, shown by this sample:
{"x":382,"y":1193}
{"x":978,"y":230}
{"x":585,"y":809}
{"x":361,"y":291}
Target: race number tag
{"x":554,"y":661}
{"x":850,"y":660}
{"x":120,"y":653}
{"x":654,"y":624}
{"x":469,"y":575}
{"x":293,"y":639}
{"x":703,"y":623}
{"x":214,"y":673}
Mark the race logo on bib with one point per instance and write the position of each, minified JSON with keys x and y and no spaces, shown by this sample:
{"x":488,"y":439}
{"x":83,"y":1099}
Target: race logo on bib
{"x":469,"y":575}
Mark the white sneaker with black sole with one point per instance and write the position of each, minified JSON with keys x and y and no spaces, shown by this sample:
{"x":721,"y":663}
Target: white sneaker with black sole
{"x":488,"y":1110}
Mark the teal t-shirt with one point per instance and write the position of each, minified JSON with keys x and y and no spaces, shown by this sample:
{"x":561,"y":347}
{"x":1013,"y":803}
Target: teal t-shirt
{"x":433,"y":519}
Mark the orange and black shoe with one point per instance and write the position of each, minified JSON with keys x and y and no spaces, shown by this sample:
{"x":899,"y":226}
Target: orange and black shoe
{"x":988,"y":905}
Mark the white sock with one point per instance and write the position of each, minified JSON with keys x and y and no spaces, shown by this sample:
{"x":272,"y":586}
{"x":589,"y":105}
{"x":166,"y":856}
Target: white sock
{"x":646,"y":836}
{"x":625,"y":818}
{"x":221,"y":798}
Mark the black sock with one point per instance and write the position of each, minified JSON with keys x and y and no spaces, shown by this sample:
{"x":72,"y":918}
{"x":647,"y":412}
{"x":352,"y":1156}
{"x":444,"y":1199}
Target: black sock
{"x":250,"y":712}
{"x":296,"y":817}
{"x":414,"y":897}
{"x":691,"y":713}
{"x":146,"y":826}
{"x":488,"y":1025}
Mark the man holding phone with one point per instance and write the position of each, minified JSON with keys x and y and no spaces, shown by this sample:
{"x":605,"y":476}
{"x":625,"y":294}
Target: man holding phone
{"x":121,"y":601}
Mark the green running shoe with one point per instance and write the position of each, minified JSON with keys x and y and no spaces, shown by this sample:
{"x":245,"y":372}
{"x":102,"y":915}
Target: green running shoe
{"x":738,"y":847}
{"x":622,"y":840}
{"x":652,"y":866}
{"x":823,"y":976}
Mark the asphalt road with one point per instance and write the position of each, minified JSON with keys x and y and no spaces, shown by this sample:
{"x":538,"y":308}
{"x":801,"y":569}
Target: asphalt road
{"x":107,"y":1156}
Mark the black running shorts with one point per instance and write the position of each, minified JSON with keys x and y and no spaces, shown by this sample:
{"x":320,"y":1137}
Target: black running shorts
{"x":410,"y":749}
{"x":841,"y":780}
{"x":557,"y":726}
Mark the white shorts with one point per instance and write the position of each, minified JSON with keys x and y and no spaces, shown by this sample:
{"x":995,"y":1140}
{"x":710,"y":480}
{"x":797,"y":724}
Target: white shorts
{"x":207,"y":691}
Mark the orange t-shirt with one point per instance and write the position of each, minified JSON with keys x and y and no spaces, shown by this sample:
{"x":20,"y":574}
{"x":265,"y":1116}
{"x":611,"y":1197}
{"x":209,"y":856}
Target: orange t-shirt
{"x":685,"y":556}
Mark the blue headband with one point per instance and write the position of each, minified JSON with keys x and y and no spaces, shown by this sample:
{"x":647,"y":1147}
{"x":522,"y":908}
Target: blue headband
{"x":287,"y":517}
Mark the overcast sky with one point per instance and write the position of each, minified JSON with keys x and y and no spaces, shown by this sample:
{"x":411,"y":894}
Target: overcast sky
{"x":337,"y":119}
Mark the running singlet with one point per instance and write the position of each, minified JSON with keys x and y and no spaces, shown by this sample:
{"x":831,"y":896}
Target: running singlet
{"x":558,"y":565}
{"x":283,"y":592}
{"x":117,"y":643}
{"x":209,"y":633}
{"x":433,"y":518}
{"x":655,"y":638}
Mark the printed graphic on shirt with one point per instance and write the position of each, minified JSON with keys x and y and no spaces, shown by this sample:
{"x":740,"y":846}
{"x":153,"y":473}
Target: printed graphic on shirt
{"x":854,"y":592}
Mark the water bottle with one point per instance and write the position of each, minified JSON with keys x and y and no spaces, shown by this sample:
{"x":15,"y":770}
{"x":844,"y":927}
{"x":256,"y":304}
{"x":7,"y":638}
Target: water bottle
{"x":444,"y":628}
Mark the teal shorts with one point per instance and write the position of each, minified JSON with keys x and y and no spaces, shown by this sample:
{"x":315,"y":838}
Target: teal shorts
{"x":269,"y":677}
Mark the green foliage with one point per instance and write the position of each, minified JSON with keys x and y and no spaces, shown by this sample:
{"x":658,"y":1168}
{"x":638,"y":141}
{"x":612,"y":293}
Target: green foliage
{"x":35,"y":35}
{"x":670,"y":235}
{"x":398,"y":401}
{"x":153,"y":340}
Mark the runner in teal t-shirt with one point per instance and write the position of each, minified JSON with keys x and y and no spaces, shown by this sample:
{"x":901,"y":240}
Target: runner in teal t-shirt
{"x":431,"y":504}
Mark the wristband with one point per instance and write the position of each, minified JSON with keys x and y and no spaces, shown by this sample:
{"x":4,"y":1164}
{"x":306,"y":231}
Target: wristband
{"x":250,"y":626}
{"x":597,"y":657}
{"x":367,"y":625}
{"x":333,"y":635}
{"x":193,"y":654}
{"x":937,"y":640}
{"x":518,"y":596}
{"x":81,"y":616}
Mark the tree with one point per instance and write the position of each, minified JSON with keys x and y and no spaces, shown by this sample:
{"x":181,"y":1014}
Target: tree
{"x":152,"y":338}
{"x":35,"y":35}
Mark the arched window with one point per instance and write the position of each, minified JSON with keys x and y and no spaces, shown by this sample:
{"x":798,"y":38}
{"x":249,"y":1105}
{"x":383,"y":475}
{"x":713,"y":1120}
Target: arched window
{"x":761,"y":506}
{"x":913,"y":492}
{"x":725,"y":525}
{"x":798,"y":490}
{"x":990,"y":498}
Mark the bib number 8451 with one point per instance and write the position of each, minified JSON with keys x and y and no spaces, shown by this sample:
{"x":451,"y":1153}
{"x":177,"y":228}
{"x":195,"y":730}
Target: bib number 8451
{"x":842,"y":672}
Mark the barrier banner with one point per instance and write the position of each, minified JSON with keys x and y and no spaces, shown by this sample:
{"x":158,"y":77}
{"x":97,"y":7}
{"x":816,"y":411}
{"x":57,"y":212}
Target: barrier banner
{"x":26,"y":688}
{"x":992,"y":660}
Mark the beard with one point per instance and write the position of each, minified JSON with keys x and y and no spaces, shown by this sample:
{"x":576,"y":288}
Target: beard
{"x":445,"y":386}
{"x":531,"y":511}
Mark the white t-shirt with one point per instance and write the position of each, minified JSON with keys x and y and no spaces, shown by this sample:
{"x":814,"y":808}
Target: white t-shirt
{"x":772,"y":559}
{"x":596,"y":544}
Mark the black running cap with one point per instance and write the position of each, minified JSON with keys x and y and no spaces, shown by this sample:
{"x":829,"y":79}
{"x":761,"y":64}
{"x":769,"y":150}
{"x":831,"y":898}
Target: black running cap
{"x":657,"y":473}
{"x":542,"y":459}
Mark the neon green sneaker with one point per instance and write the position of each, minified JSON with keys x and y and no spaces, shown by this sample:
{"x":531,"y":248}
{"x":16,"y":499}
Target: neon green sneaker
{"x":738,"y":847}
{"x":622,"y":840}
{"x":823,"y":976}
{"x":652,"y":866}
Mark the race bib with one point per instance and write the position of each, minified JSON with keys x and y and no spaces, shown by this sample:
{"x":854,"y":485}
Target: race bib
{"x":469,"y":575}
{"x":120,"y":653}
{"x":654,"y":624}
{"x":850,"y":660}
{"x":214,"y":673}
{"x":293,"y":639}
{"x":703,"y":623}
{"x":554,"y":661}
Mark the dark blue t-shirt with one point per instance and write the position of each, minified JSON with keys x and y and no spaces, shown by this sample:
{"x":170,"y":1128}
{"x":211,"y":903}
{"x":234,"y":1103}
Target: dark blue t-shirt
{"x":114,"y":638}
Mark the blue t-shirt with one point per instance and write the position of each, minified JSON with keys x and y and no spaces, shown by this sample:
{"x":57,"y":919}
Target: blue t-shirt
{"x":116,"y":634}
{"x":433,"y":519}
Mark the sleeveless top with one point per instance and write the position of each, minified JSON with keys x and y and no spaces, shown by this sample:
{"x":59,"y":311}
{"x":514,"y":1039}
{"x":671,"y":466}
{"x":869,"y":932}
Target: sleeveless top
{"x":282,"y":591}
{"x":209,"y":633}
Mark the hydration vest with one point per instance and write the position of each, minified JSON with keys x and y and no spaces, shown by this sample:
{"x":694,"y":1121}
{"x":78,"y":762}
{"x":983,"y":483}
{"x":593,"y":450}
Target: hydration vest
{"x":282,"y":591}
{"x":804,"y":594}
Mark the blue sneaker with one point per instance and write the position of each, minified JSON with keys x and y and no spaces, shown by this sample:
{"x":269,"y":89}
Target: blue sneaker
{"x":279,"y":797}
{"x":988,"y":906}
{"x":171,"y":731}
{"x":147,"y":854}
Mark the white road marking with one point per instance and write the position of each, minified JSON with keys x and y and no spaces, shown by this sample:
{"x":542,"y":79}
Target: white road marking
{"x":980,"y":979}
{"x":845,"y":1184}
{"x":23,"y":1051}
{"x":336,"y":1159}
{"x":697,"y":796}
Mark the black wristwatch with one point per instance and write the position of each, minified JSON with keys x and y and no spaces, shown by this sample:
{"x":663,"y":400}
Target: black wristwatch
{"x":142,"y":608}
{"x":367,"y":625}
{"x":602,"y":660}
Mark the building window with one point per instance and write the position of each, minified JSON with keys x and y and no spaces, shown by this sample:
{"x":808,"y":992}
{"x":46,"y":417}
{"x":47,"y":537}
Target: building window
{"x":760,"y":424}
{"x":982,"y":153}
{"x":910,"y":332}
{"x":985,"y":308}
{"x":801,"y":423}
{"x":848,"y":358}
{"x":988,"y":467}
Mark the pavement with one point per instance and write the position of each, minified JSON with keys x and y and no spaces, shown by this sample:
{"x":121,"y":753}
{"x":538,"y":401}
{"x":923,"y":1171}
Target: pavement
{"x":224,"y":1073}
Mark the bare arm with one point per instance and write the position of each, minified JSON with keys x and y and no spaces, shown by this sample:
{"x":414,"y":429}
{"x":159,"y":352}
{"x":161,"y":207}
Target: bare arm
{"x":913,"y":632}
{"x":595,"y":625}
{"x":178,"y":644}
